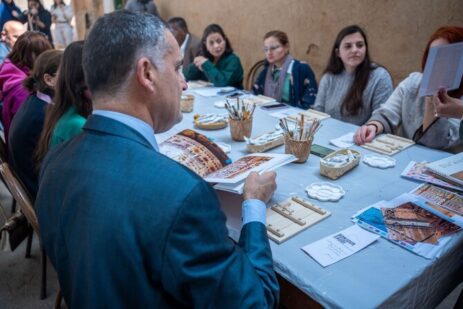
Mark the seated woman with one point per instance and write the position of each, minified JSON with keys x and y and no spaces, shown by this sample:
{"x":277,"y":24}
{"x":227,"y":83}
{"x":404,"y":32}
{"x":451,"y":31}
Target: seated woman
{"x":296,"y":86}
{"x":352,"y":87}
{"x":416,"y":114}
{"x":218,"y":64}
{"x":28,"y":122}
{"x":71,"y":105}
{"x":15,"y":69}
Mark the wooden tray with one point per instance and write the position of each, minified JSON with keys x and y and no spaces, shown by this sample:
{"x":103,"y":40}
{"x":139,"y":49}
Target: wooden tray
{"x":310,"y":114}
{"x":388,"y":144}
{"x":292,"y":216}
{"x":209,"y":126}
{"x":336,"y":172}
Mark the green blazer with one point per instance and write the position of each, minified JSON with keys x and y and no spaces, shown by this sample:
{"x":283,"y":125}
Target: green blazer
{"x":227,"y":72}
{"x":126,"y":227}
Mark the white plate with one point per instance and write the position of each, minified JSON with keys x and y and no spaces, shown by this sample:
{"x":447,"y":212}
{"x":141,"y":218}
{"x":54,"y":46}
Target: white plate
{"x":325,"y":191}
{"x":379,"y":161}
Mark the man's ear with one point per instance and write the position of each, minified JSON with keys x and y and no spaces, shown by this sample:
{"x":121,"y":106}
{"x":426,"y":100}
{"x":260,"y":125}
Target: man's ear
{"x":146,"y":73}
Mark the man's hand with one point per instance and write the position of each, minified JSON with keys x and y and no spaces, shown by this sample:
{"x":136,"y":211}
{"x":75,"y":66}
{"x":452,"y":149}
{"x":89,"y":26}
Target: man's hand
{"x":260,"y":187}
{"x":446,"y":106}
{"x":365,"y":134}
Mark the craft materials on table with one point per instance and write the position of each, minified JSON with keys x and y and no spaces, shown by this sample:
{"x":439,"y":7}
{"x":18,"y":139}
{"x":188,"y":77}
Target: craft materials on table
{"x":210,"y":121}
{"x":388,"y":144}
{"x":240,"y":118}
{"x":265,"y":141}
{"x":339,"y":162}
{"x":298,"y":140}
{"x":258,"y":99}
{"x":325,"y":191}
{"x":340,"y":245}
{"x":310,"y":114}
{"x":379,"y":161}
{"x":287,"y":218}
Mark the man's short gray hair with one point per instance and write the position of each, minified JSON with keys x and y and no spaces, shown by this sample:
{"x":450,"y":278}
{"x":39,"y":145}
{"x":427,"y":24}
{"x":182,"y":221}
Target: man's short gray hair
{"x":115,"y":43}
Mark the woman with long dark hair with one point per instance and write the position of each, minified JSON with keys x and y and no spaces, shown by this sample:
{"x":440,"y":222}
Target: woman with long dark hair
{"x":71,"y":104}
{"x":352,"y":86}
{"x":37,"y":18}
{"x":28,"y":122}
{"x":15,"y":69}
{"x":417,"y":116}
{"x":284,"y":78}
{"x":218,"y":64}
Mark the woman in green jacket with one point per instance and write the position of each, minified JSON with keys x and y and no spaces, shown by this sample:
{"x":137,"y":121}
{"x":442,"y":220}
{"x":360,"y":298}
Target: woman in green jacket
{"x":217,"y":64}
{"x":71,"y":104}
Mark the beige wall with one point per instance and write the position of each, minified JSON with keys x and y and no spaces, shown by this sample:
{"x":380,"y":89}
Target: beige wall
{"x":397,"y":30}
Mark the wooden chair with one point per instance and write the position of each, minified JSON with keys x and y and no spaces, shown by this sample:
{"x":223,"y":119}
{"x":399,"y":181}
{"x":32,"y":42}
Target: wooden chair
{"x":25,"y":203}
{"x":4,"y":158}
{"x":253,"y":74}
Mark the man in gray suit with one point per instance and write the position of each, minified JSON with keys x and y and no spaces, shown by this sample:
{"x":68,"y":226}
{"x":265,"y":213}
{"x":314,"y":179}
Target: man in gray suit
{"x":127,"y":227}
{"x":190,"y":45}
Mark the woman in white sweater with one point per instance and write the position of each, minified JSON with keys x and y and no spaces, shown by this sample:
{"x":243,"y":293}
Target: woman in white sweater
{"x":352,"y":87}
{"x":417,"y":115}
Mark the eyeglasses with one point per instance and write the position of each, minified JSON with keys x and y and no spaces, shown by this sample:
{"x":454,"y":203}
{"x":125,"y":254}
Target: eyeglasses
{"x":271,"y":48}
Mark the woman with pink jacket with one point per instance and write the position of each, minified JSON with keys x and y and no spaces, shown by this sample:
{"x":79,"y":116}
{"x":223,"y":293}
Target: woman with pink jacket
{"x":15,"y":69}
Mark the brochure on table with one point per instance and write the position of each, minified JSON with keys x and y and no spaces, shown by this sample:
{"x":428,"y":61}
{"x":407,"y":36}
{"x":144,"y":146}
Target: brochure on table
{"x":418,"y":171}
{"x":450,"y":168}
{"x":406,"y":222}
{"x":209,"y":161}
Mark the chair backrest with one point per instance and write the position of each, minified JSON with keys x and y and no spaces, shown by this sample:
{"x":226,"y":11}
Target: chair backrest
{"x":253,"y":74}
{"x":3,"y":152}
{"x":20,"y":195}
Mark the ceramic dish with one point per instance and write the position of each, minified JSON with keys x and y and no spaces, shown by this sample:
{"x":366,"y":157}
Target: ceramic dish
{"x":325,"y":191}
{"x":379,"y":161}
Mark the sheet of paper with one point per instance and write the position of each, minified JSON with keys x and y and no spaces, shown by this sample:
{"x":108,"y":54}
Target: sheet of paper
{"x":444,"y":68}
{"x":338,"y":246}
{"x":344,"y":141}
{"x":211,"y":91}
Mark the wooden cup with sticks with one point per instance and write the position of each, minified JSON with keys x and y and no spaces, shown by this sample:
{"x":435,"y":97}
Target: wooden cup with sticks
{"x":298,"y":140}
{"x":240,"y":118}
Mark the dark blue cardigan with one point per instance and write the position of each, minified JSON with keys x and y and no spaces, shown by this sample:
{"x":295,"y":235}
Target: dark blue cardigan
{"x":303,"y":90}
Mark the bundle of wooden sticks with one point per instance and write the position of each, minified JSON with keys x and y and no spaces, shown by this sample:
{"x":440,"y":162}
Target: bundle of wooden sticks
{"x":238,"y":110}
{"x":303,"y":130}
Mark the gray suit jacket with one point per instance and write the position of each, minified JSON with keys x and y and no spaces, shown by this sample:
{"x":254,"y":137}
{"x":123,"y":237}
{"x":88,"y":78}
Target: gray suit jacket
{"x":193,"y":48}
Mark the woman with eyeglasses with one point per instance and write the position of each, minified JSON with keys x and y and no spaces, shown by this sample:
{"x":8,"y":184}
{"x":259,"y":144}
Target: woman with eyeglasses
{"x":284,"y":78}
{"x":352,"y":86}
{"x":15,"y":69}
{"x":71,"y":105}
{"x":217,"y":64}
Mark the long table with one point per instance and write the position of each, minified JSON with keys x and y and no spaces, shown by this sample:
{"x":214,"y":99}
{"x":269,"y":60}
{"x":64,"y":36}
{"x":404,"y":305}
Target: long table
{"x":382,"y":275}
